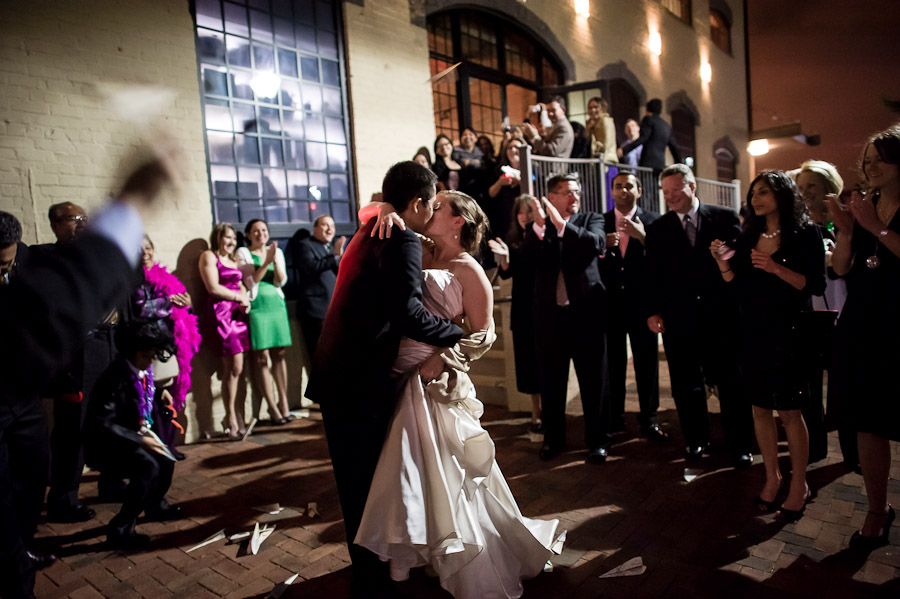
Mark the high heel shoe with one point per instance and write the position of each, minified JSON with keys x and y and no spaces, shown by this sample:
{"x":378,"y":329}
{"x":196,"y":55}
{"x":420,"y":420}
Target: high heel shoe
{"x":786,"y":515}
{"x":764,"y":507}
{"x":860,"y":541}
{"x":232,"y":436}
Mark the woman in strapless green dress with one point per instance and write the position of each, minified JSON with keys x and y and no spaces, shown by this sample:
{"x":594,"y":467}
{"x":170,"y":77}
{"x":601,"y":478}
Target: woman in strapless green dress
{"x":270,"y":331}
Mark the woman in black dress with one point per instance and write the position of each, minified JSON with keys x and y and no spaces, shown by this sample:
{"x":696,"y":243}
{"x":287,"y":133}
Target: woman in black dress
{"x":867,"y":255}
{"x":445,"y":166}
{"x":514,"y":263}
{"x":778,"y":263}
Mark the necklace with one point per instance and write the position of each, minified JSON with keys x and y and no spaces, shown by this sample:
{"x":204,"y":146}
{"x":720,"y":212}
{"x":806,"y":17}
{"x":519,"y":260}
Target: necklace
{"x":770,"y":235}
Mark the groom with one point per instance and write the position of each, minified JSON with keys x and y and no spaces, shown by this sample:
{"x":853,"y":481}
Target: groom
{"x":377,"y":300}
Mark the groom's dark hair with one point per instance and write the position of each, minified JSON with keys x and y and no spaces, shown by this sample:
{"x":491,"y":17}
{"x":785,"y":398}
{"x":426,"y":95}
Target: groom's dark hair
{"x":406,"y":181}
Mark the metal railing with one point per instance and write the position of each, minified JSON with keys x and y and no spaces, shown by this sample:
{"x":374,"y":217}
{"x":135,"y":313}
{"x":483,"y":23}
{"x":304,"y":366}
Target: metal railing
{"x":595,"y":175}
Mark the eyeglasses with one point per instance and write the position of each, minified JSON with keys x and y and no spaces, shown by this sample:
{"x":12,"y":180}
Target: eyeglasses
{"x":76,"y":218}
{"x":572,"y":193}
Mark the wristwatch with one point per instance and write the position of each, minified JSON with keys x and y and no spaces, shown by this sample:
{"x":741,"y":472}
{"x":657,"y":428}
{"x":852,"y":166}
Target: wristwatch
{"x":884,"y":232}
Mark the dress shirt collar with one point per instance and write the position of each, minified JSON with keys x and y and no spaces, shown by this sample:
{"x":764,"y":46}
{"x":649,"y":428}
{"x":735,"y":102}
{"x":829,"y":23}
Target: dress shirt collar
{"x":629,"y":215}
{"x":695,"y":209}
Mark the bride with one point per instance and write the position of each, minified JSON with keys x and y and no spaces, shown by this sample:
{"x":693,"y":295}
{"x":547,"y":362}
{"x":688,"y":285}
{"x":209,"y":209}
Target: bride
{"x":438,"y":497}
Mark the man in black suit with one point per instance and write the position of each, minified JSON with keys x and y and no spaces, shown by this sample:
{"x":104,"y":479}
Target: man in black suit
{"x":624,"y":269}
{"x":91,"y":272}
{"x":377,"y":300}
{"x":656,"y":135}
{"x":316,"y":260}
{"x":570,"y":307}
{"x":688,"y":302}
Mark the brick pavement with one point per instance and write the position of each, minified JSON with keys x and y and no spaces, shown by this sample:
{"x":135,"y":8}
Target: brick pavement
{"x":697,"y":539}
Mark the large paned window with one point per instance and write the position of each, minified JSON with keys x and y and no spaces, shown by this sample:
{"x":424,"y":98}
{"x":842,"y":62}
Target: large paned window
{"x":275,"y":116}
{"x":679,"y":8}
{"x":502,"y":72}
{"x":683,"y":126}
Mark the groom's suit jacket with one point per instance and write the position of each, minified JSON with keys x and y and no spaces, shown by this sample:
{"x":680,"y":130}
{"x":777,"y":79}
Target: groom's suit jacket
{"x":377,"y":300}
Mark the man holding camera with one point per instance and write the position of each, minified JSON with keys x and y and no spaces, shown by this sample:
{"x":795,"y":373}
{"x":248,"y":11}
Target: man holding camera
{"x":557,"y":141}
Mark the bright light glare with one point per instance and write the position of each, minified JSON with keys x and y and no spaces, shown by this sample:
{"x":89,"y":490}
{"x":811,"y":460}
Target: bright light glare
{"x":265,"y":85}
{"x":583,"y":8}
{"x":758,"y":147}
{"x":706,"y":72}
{"x":656,"y":43}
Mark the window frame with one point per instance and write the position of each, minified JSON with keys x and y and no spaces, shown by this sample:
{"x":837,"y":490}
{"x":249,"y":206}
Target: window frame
{"x":468,"y":69}
{"x":725,"y":27}
{"x":280,"y":229}
{"x":686,"y":15}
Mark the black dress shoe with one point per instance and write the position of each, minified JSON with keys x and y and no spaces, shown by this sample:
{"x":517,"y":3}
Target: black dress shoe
{"x":70,"y":515}
{"x":743,"y":461}
{"x":597,"y":455}
{"x":695,"y":452}
{"x":655,"y":434}
{"x":132,"y":541}
{"x":548,"y":452}
{"x":41,"y":560}
{"x":170,"y":512}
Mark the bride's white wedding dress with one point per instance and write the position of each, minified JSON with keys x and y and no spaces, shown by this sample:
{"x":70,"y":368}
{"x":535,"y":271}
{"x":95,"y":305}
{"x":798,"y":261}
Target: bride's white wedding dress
{"x":438,"y":496}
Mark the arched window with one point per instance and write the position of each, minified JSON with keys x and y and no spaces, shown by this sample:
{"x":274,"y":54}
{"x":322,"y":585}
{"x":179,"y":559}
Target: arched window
{"x":720,"y":30}
{"x":726,"y":165}
{"x":503,"y":69}
{"x":683,"y":125}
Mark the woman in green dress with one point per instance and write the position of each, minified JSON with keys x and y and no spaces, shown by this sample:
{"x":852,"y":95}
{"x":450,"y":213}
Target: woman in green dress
{"x":270,"y":332}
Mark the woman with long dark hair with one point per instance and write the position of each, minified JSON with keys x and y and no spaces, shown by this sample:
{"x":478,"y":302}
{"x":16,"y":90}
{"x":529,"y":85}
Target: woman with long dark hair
{"x":514,"y":263}
{"x":867,"y":255}
{"x":445,"y":166}
{"x":778,"y":264}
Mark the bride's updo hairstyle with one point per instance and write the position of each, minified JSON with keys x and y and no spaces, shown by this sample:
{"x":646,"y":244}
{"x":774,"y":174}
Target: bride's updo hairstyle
{"x":475,"y":220}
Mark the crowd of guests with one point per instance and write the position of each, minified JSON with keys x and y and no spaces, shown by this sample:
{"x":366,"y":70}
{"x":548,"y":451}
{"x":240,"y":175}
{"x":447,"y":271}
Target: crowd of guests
{"x":752,"y":307}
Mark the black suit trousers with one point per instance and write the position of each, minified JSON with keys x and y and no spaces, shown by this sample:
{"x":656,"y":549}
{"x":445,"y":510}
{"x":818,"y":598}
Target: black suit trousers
{"x":560,"y":340}
{"x":66,"y":443}
{"x":645,"y":358}
{"x":149,"y":478}
{"x":355,"y":437}
{"x":24,"y":457}
{"x":698,"y":359}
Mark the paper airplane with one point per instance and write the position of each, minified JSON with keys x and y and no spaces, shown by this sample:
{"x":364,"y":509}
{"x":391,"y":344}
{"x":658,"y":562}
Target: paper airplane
{"x":271,"y":508}
{"x":633,"y":567}
{"x":281,"y":587}
{"x":249,"y":429}
{"x":209,"y":540}
{"x":238,"y":537}
{"x":137,"y":103}
{"x":450,"y":71}
{"x":259,"y":535}
{"x":691,"y":473}
{"x":312,"y":510}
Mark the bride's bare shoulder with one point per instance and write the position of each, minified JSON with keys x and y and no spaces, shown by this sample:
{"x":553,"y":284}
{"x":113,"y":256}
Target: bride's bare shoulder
{"x":470,"y":273}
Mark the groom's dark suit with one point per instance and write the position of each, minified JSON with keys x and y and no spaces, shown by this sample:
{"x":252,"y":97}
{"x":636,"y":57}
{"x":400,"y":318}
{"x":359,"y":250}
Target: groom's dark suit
{"x":377,"y":300}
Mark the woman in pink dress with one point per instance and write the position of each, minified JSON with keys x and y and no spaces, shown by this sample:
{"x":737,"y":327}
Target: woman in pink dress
{"x":230,"y":304}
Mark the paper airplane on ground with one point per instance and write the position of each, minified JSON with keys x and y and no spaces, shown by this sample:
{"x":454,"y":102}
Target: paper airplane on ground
{"x":259,"y":535}
{"x":281,"y":587}
{"x":271,"y":508}
{"x":633,"y":567}
{"x":209,"y":540}
{"x":249,"y":429}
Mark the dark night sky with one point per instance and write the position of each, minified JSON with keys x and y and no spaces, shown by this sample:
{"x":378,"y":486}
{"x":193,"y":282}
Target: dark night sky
{"x":828,"y":64}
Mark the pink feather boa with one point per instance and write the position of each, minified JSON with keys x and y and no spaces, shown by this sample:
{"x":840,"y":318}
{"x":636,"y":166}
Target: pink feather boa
{"x":187,"y":334}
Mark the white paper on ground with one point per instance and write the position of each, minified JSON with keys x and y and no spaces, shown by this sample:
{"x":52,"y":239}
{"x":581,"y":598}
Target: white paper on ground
{"x":633,"y":567}
{"x":209,"y":540}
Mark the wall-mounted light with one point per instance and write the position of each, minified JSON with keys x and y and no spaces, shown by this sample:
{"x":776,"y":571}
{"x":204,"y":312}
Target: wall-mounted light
{"x":656,"y":43}
{"x":758,"y":147}
{"x":706,"y":72}
{"x":583,"y":8}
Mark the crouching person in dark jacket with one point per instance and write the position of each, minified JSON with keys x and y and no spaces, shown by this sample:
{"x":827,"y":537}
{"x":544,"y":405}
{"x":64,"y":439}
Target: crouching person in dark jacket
{"x":118,"y":438}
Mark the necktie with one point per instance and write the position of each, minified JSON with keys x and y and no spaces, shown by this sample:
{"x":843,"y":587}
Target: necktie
{"x":690,"y":229}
